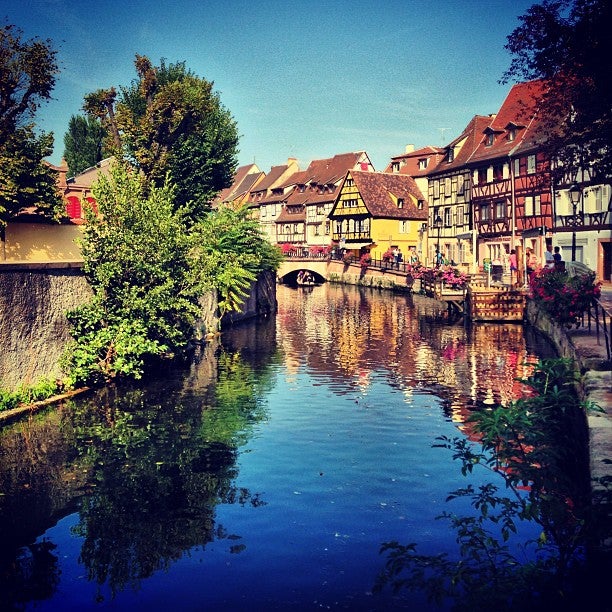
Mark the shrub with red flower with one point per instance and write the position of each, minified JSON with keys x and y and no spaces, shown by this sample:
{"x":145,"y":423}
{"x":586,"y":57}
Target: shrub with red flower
{"x":565,"y":298}
{"x":365,"y":260}
{"x":318,"y":250}
{"x":451,"y":276}
{"x":287,"y":249}
{"x":416,"y":270}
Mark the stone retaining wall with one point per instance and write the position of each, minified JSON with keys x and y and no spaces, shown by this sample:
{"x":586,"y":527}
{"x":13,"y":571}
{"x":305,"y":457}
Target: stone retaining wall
{"x":34,"y":331}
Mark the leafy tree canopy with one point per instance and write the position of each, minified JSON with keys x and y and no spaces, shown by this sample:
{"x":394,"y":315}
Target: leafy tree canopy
{"x":170,"y":120}
{"x":83,"y":143}
{"x":148,"y":269}
{"x":567,"y":43}
{"x":27,"y":77}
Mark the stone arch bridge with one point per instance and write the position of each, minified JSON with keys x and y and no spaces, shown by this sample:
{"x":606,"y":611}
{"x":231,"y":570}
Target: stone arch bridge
{"x":319,"y":267}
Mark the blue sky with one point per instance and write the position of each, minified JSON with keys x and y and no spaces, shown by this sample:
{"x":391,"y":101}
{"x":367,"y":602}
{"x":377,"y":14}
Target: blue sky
{"x":302,"y":79}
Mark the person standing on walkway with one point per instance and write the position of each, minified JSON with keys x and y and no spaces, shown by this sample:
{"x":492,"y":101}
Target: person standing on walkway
{"x":399,"y":257}
{"x":513,"y":266}
{"x":548,"y":257}
{"x":414,"y":258}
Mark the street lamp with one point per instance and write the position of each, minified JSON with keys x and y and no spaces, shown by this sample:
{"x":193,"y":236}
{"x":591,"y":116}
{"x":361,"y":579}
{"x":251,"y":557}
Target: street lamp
{"x":438,"y":225}
{"x":574,"y":194}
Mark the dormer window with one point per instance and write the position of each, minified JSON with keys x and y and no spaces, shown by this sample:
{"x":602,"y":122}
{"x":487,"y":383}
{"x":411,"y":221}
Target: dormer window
{"x":400,"y":202}
{"x":489,"y":139}
{"x":450,"y":154}
{"x":420,"y":205}
{"x":395,"y":166}
{"x":511,"y":134}
{"x":423,"y":163}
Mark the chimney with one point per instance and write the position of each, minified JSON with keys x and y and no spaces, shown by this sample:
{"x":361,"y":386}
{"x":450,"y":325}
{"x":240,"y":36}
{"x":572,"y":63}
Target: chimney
{"x":409,"y":148}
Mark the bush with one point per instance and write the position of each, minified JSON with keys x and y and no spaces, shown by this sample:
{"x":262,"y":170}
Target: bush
{"x":565,"y":298}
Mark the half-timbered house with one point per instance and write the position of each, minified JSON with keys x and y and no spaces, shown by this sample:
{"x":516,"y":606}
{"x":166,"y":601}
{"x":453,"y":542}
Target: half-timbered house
{"x":450,"y":222}
{"x":377,"y":211}
{"x":511,"y":189}
{"x":303,"y":221}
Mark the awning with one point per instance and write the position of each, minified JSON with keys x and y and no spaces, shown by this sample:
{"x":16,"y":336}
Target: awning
{"x":357,"y":245}
{"x":533,"y":232}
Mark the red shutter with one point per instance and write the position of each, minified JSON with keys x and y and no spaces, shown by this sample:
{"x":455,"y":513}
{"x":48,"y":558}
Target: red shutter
{"x":73,"y":207}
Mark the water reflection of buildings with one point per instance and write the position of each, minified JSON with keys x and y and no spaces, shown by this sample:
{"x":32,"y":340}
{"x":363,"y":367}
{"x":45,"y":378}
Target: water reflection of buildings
{"x":346,"y":333}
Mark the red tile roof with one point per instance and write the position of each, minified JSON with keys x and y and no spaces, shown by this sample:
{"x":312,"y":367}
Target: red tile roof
{"x":376,"y":188}
{"x":410,"y":161}
{"x":471,"y":137}
{"x":519,"y":109}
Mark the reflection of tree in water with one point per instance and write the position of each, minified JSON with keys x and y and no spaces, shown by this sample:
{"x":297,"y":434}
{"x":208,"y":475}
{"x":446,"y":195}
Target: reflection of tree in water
{"x":149,"y":465}
{"x":159,"y":471}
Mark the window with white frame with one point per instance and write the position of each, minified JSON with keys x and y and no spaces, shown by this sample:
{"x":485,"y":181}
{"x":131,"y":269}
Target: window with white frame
{"x":460,"y":216}
{"x":531,"y":164}
{"x":404,"y":227}
{"x":436,"y":189}
{"x":529,"y":206}
{"x":485,"y":212}
{"x":448,"y":217}
{"x":460,"y":184}
{"x":423,"y":163}
{"x":517,"y":167}
{"x":447,"y":186}
{"x":500,"y":209}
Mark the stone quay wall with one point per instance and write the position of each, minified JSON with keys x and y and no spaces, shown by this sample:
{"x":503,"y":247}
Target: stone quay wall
{"x":34,"y":331}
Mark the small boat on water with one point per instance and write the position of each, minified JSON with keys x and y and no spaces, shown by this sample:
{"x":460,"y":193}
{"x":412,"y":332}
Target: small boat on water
{"x":306,"y":278}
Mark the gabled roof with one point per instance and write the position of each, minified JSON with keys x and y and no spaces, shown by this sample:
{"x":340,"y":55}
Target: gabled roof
{"x":465,"y":144}
{"x":247,"y":184}
{"x":89,"y":176}
{"x":333,"y":169}
{"x":227,"y":194}
{"x":276,"y":172}
{"x":410,"y":161}
{"x":377,"y":188}
{"x":519,"y":109}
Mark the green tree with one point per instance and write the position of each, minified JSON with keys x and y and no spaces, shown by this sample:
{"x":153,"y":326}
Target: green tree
{"x":231,"y":252}
{"x":567,"y":43}
{"x":83,"y":143}
{"x":27,"y":77}
{"x":137,"y":259}
{"x":170,"y":120}
{"x":148,"y":269}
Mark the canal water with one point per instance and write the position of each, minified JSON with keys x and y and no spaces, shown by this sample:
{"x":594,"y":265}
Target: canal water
{"x":265,"y":476}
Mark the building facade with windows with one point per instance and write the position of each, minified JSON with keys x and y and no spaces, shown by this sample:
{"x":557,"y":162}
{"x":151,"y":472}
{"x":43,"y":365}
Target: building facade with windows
{"x":377,"y":211}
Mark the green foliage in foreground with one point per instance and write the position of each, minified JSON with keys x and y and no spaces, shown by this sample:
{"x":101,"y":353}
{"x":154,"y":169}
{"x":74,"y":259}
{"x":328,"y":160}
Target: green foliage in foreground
{"x":24,"y":394}
{"x":536,"y":448}
{"x":148,"y":268}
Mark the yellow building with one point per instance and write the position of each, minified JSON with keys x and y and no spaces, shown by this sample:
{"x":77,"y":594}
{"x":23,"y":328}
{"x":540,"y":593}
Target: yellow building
{"x":376,"y":212}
